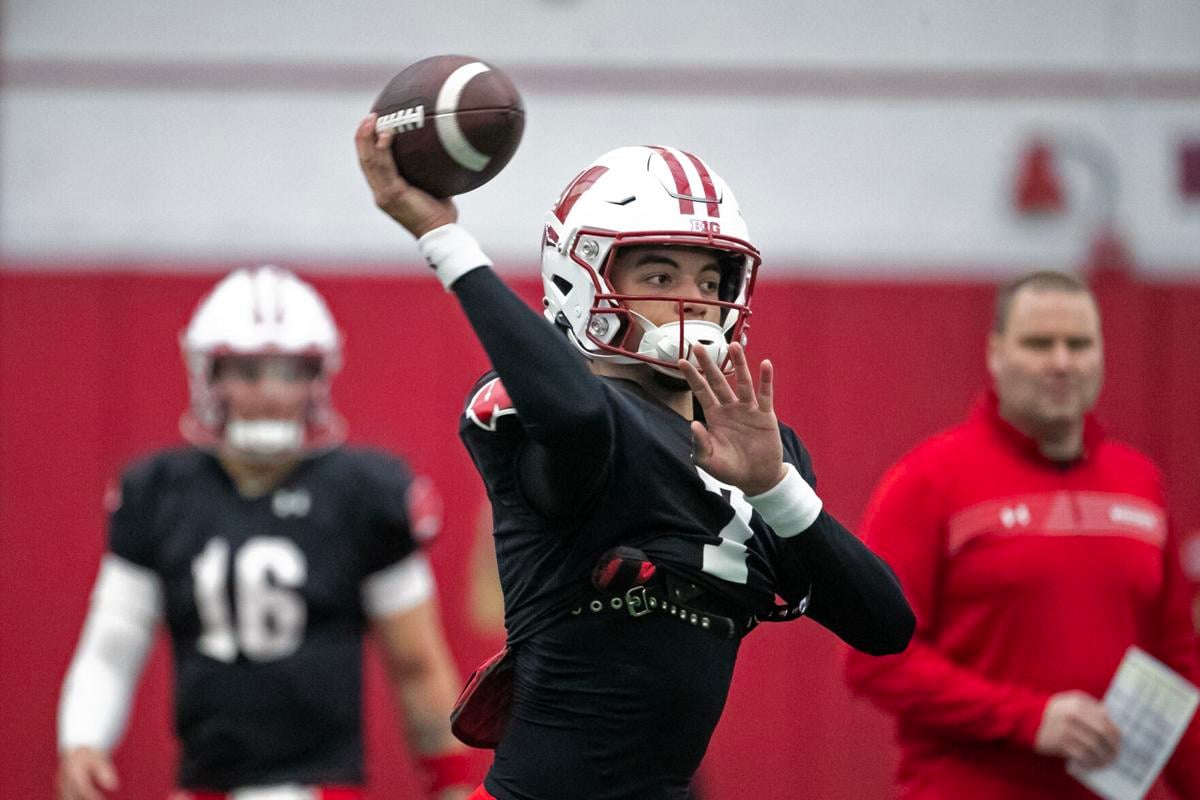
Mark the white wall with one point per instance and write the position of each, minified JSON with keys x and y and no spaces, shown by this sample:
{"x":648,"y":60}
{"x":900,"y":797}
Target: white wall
{"x":859,"y":135}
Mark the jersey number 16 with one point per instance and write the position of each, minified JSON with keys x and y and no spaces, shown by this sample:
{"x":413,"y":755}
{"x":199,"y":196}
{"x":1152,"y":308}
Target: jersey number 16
{"x":270,"y":615}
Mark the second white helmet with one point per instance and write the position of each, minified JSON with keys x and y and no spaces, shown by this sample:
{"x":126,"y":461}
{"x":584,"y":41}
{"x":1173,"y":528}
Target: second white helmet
{"x":265,"y":310}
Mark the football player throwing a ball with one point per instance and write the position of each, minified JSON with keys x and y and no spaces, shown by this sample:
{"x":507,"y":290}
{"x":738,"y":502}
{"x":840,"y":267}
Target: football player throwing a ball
{"x":647,"y":512}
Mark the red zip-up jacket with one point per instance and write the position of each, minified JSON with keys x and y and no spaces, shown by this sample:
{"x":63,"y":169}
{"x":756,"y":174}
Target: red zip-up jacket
{"x":1028,"y":577}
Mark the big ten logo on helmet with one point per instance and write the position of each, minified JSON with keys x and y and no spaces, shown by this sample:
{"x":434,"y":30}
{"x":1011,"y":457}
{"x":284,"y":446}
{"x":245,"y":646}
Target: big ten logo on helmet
{"x":706,"y":226}
{"x":402,"y":121}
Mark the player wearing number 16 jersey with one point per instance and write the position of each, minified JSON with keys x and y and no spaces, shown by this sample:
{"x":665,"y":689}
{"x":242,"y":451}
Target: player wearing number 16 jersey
{"x":647,"y":514}
{"x":266,"y":548}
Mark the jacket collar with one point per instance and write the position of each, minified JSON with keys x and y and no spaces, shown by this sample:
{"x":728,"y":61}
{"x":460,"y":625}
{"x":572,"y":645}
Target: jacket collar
{"x":987,"y":411}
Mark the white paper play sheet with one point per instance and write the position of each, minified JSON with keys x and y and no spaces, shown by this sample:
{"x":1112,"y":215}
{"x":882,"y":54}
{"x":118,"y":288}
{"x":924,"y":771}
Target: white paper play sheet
{"x":1152,"y":706}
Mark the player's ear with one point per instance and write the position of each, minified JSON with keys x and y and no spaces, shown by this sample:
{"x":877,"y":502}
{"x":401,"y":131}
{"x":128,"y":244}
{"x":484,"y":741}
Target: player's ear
{"x":995,"y":342}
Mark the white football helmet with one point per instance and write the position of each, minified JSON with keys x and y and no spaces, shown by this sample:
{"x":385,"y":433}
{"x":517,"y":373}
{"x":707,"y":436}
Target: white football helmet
{"x":265,"y":310}
{"x":644,"y":196}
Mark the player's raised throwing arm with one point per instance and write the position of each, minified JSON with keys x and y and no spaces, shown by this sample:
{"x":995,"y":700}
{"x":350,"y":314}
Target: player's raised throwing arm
{"x":526,"y":352}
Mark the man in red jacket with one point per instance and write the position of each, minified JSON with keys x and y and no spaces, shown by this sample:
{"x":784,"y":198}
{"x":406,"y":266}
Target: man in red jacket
{"x":1034,"y":552}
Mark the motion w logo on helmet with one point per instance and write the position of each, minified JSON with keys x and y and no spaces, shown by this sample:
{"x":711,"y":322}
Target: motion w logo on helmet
{"x":583,"y":181}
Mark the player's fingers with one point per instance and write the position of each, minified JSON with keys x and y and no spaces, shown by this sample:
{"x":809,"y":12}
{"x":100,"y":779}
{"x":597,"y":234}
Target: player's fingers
{"x":383,"y":140}
{"x":371,"y":136}
{"x":364,"y":142}
{"x":364,"y":136}
{"x":702,"y":446}
{"x":714,"y":377}
{"x":377,"y":163}
{"x":766,"y":386}
{"x":106,"y":775}
{"x":78,"y":784}
{"x":741,"y":368}
{"x":700,"y":388}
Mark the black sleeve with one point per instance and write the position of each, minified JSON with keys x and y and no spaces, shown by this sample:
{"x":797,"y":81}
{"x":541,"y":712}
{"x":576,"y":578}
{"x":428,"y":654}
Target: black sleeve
{"x":131,"y":515}
{"x":387,"y":488}
{"x":560,"y":403}
{"x":855,"y":594}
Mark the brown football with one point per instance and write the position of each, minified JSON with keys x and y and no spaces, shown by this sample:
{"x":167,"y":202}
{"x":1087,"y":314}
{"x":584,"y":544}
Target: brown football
{"x":457,"y":121}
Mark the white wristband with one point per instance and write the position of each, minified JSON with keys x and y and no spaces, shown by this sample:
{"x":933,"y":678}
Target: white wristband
{"x":452,"y":252}
{"x":790,"y":506}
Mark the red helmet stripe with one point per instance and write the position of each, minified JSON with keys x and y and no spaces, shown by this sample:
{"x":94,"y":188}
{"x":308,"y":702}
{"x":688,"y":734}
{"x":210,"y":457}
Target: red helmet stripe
{"x":710,"y":191}
{"x":682,"y":186}
{"x":576,"y":189}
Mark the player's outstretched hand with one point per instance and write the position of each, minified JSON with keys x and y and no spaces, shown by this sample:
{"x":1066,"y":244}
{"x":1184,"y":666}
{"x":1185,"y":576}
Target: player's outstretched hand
{"x":738,"y":442}
{"x":1077,"y":727}
{"x":85,"y":773}
{"x":418,"y":211}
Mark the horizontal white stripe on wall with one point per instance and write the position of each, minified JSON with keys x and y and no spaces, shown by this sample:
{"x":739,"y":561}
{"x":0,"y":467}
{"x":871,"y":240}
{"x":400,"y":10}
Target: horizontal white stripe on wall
{"x":856,"y":138}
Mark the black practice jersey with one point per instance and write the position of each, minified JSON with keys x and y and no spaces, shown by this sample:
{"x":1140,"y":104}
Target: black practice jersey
{"x":653,"y":498}
{"x":263,"y":604}
{"x":608,"y":706}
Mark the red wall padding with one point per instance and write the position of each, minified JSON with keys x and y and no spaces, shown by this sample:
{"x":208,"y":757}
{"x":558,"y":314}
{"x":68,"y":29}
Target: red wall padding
{"x":90,"y":376}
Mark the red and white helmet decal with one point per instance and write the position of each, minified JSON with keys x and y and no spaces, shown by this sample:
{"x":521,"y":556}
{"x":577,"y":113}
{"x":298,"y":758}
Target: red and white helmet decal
{"x":583,"y":181}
